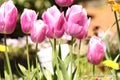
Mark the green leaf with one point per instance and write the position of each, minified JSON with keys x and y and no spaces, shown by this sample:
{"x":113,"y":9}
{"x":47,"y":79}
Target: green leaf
{"x":67,"y":60}
{"x":23,"y":69}
{"x":73,"y":74}
{"x":107,"y":55}
{"x":32,"y":74}
{"x":7,"y":76}
{"x":63,"y":69}
{"x":47,"y":74}
{"x":59,"y":73}
{"x":19,"y":73}
{"x":115,"y":60}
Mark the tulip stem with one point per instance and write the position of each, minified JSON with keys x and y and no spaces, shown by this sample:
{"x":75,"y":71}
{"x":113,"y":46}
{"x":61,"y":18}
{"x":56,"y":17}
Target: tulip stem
{"x":28,"y":59}
{"x":71,"y":54}
{"x":78,"y":62}
{"x":54,"y":54}
{"x":36,"y":58}
{"x":93,"y":70}
{"x":7,"y":58}
{"x":79,"y":45}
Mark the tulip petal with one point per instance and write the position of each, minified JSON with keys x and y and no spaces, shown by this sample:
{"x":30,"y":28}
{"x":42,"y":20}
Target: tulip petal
{"x":8,"y":17}
{"x":38,"y":31}
{"x":27,"y":18}
{"x":64,"y":2}
{"x":96,"y":50}
{"x":73,"y":29}
{"x":55,"y":20}
{"x":59,"y":29}
{"x":10,"y":21}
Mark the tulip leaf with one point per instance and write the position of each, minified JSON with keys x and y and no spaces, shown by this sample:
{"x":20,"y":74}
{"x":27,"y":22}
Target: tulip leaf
{"x":19,"y":73}
{"x":107,"y":55}
{"x":59,"y":73}
{"x":63,"y":69}
{"x":47,"y":74}
{"x":117,"y":58}
{"x":67,"y":60}
{"x":23,"y":69}
{"x":32,"y":74}
{"x":7,"y":76}
{"x":55,"y":75}
{"x":73,"y":74}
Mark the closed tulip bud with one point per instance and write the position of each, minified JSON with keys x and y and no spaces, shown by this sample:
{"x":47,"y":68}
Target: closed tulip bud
{"x":96,"y":50}
{"x":38,"y":31}
{"x":55,"y":21}
{"x":8,"y":17}
{"x":77,"y":22}
{"x":64,"y":3}
{"x":27,"y":18}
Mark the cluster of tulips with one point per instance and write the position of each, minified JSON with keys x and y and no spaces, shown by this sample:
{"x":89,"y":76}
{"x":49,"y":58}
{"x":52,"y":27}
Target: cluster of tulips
{"x":53,"y":25}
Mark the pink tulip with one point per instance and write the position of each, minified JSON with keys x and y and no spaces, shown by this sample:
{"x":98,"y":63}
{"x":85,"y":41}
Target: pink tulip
{"x":27,"y":18}
{"x":55,"y":21}
{"x":96,"y":50}
{"x":8,"y":17}
{"x":77,"y":22}
{"x":64,"y":3}
{"x":38,"y":31}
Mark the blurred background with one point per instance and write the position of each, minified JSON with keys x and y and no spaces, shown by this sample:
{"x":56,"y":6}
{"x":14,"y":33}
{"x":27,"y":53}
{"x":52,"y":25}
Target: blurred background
{"x":98,"y":10}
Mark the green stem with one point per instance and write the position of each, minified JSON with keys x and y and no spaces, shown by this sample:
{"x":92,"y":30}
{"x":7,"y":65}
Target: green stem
{"x":28,"y":59}
{"x":118,"y":30}
{"x":7,"y":58}
{"x":36,"y":58}
{"x":54,"y":54}
{"x":93,"y":70}
{"x":79,"y":45}
{"x":54,"y":47}
{"x":71,"y":54}
{"x":78,"y":62}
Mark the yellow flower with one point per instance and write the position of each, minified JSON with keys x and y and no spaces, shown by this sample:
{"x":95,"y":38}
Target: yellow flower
{"x":111,"y":64}
{"x":114,"y":5}
{"x":2,"y":48}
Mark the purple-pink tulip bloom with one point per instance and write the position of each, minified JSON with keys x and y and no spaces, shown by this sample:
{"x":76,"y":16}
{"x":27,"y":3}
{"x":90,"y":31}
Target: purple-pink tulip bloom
{"x":77,"y":22}
{"x":27,"y":18}
{"x":96,"y":50}
{"x":38,"y":31}
{"x":64,"y":3}
{"x":8,"y":17}
{"x":55,"y":21}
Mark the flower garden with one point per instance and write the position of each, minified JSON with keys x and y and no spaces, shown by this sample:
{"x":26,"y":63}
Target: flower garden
{"x":49,"y":40}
